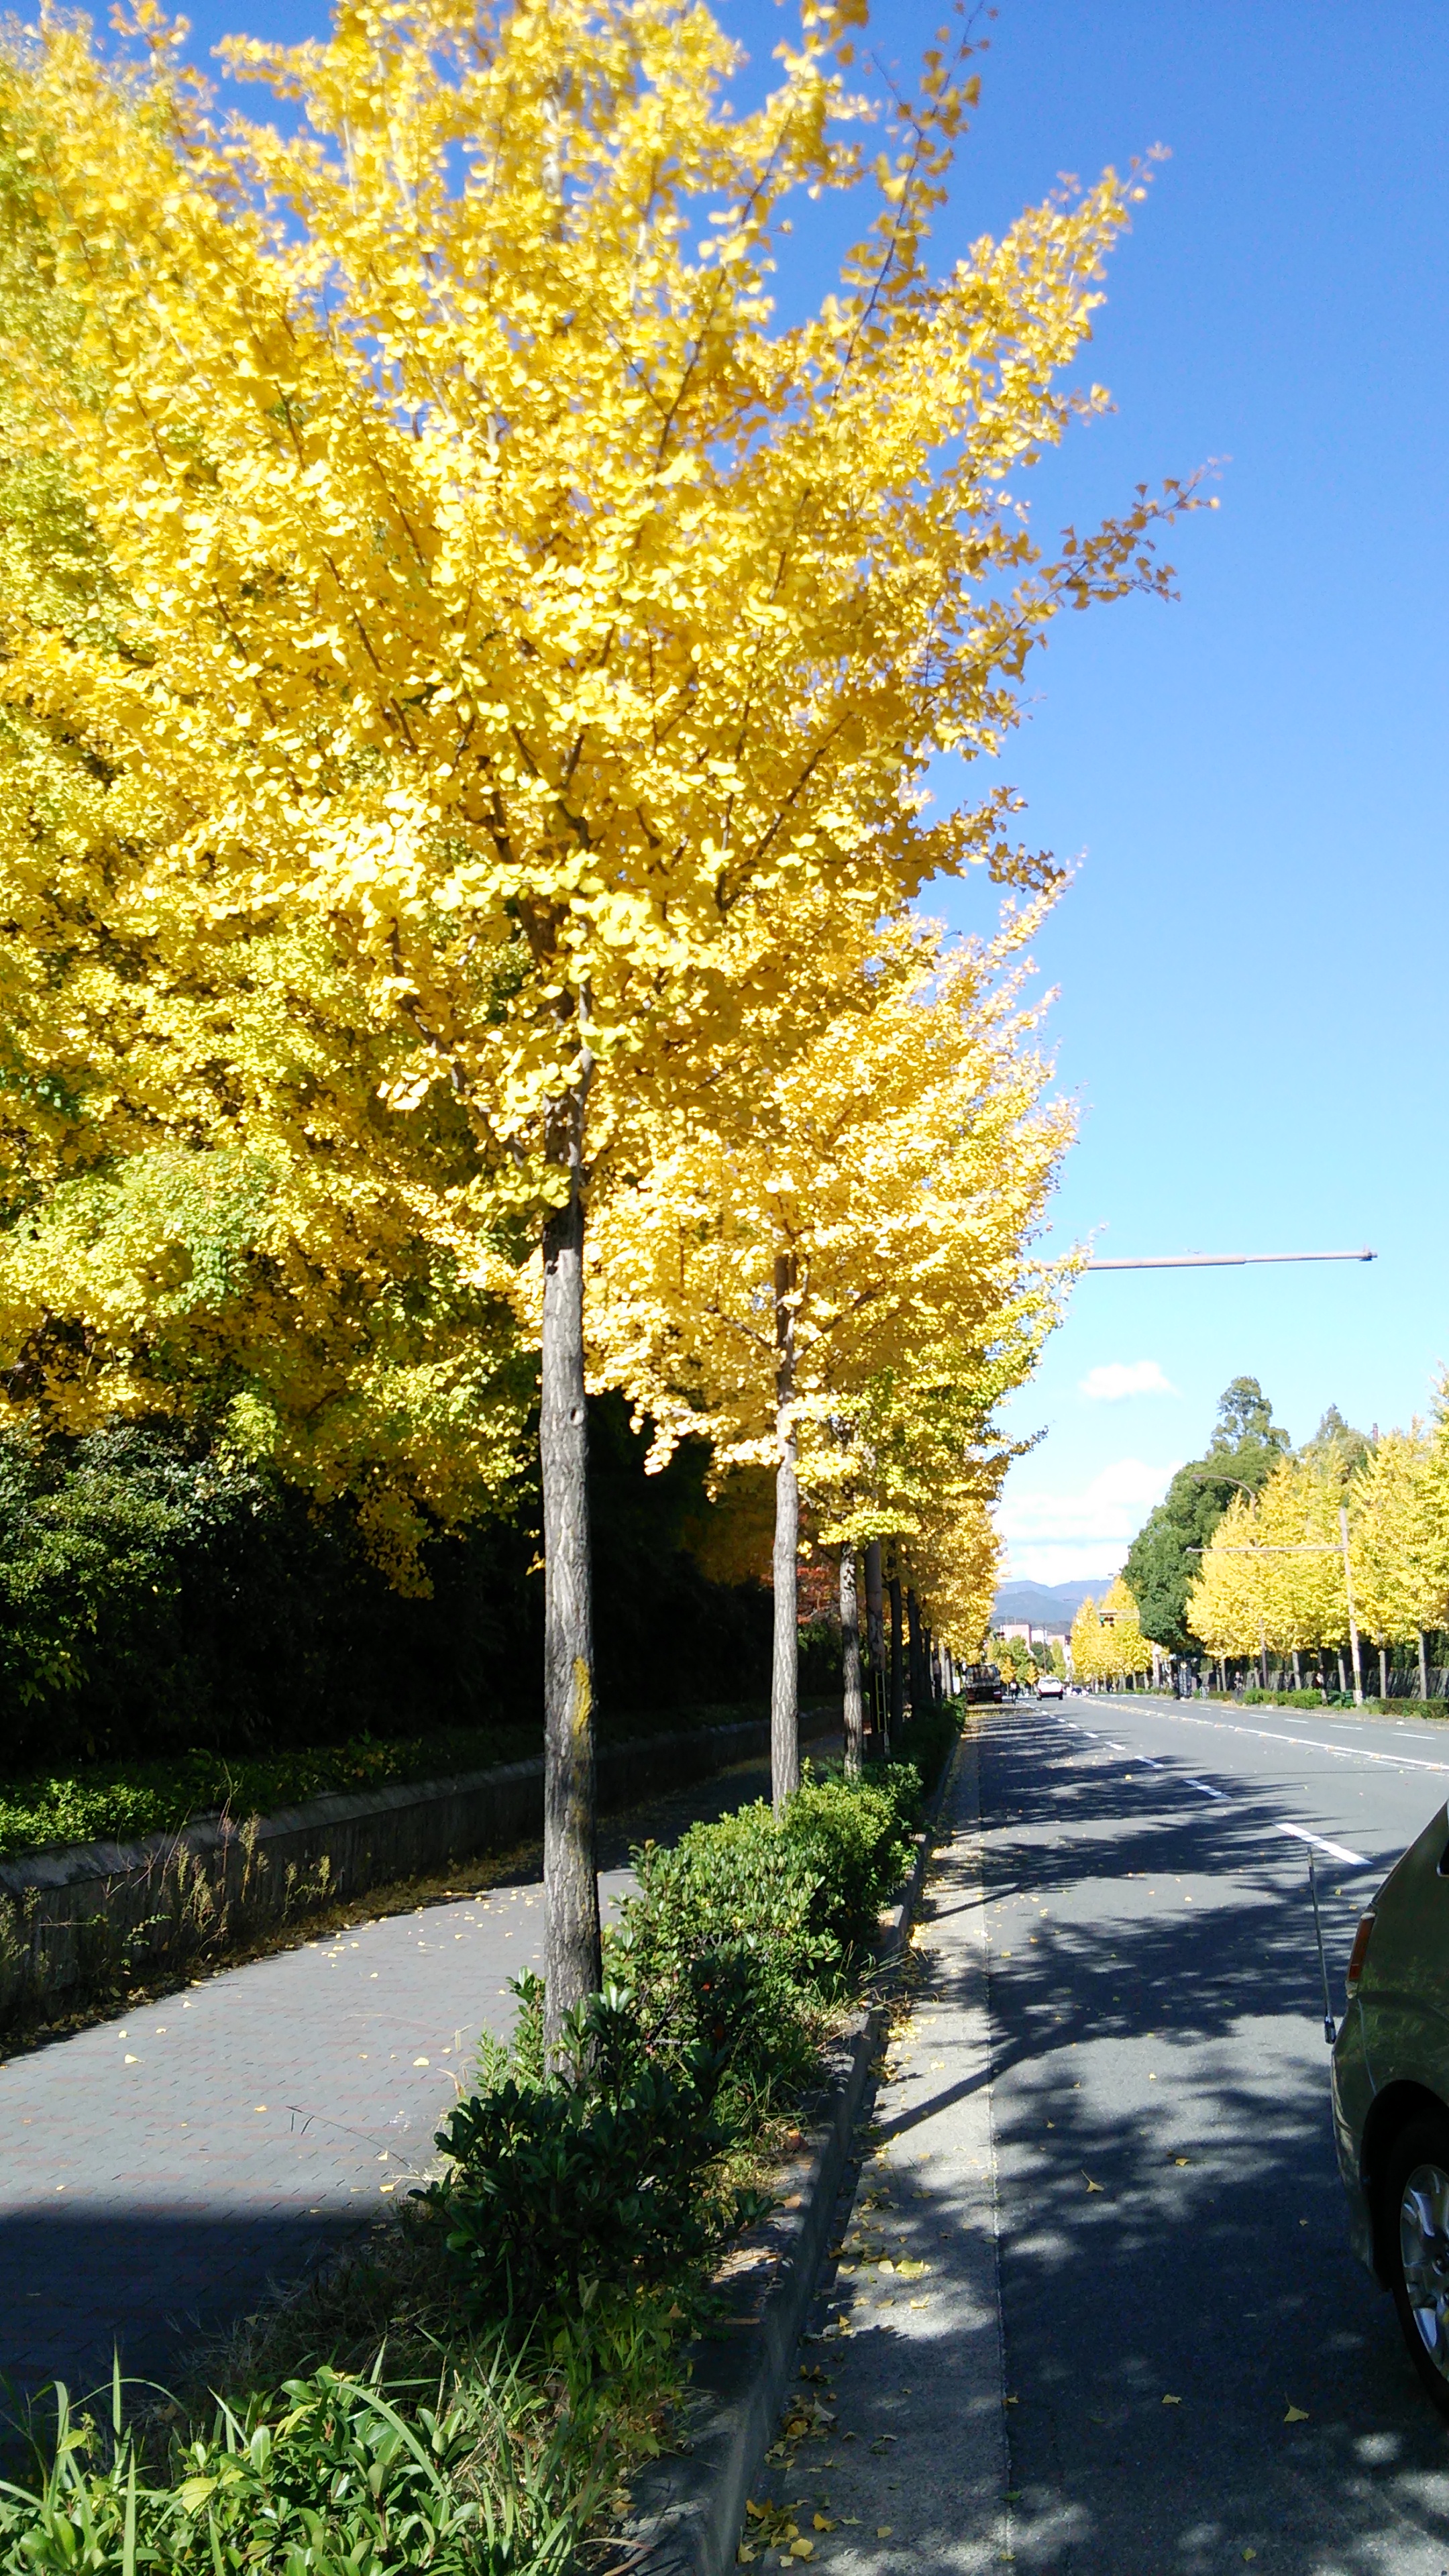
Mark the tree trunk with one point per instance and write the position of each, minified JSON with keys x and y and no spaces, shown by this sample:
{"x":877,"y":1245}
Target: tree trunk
{"x":785,"y":1678}
{"x":1383,"y":1672}
{"x":571,"y":1888}
{"x":917,"y":1658}
{"x":850,"y":1660}
{"x":875,"y":1635}
{"x":898,"y":1662}
{"x":1297,"y":1682}
{"x":1423,"y":1666}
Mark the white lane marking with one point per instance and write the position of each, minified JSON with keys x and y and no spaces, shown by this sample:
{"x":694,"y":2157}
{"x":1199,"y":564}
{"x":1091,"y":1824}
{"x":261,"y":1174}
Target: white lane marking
{"x":1320,"y":1842}
{"x":1300,"y":1833}
{"x":1314,"y":1744}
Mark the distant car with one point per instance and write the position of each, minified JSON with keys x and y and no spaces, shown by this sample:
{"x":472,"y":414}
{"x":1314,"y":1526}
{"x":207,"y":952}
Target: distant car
{"x":1391,"y":2098}
{"x":1051,"y":1686}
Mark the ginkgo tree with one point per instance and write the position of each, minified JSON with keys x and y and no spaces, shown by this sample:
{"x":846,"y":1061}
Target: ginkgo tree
{"x":420,"y":442}
{"x":840,"y":1286}
{"x":1400,"y":1542}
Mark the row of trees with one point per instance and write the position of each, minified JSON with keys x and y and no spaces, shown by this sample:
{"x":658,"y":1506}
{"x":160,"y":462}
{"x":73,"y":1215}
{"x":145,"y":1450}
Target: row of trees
{"x":1259,"y":1550}
{"x":1330,"y":1552}
{"x":469,"y":677}
{"x":1107,"y":1640}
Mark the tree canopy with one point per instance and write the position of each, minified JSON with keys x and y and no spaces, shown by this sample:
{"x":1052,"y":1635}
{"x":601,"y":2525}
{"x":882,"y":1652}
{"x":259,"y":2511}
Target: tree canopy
{"x":1162,"y":1562}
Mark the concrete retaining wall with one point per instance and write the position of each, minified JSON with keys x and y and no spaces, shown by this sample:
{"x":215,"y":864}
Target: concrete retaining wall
{"x":99,"y":1915}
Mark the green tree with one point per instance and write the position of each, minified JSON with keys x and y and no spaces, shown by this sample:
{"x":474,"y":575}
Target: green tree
{"x":1163,"y":1560}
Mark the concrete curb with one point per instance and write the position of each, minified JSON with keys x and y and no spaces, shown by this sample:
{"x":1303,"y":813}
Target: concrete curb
{"x":688,"y":2506}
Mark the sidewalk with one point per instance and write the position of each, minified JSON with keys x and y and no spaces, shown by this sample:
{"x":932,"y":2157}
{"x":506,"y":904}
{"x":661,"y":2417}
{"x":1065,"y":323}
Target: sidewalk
{"x":904,"y":2349}
{"x":163,"y":2168}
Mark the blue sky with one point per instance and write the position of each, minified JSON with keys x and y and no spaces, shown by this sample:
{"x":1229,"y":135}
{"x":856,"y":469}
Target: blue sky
{"x":1253,"y":779}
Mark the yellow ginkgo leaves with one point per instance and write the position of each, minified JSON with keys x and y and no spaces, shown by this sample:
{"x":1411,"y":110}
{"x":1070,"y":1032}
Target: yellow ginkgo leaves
{"x":452,"y":561}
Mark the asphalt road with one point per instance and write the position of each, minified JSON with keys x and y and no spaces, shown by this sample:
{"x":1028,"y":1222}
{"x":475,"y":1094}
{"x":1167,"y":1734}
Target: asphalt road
{"x":1199,"y":2376}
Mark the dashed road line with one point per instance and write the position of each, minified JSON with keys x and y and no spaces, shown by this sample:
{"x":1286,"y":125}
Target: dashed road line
{"x":1320,"y":1842}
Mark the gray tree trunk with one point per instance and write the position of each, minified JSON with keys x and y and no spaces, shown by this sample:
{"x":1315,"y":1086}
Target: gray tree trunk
{"x":898,"y":1662}
{"x":850,"y":1660}
{"x":571,"y":1888}
{"x":1383,"y":1672}
{"x":785,"y":1675}
{"x":1297,"y":1679}
{"x":875,"y":1634}
{"x":1423,"y":1666}
{"x":917,"y":1664}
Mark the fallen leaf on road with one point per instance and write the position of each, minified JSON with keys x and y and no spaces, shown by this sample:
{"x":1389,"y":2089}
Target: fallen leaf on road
{"x":1093,"y":2186}
{"x":920,"y":2303}
{"x":1182,"y":2160}
{"x":882,"y":2531}
{"x":823,"y":2522}
{"x":1296,"y":2414}
{"x":1172,"y":2401}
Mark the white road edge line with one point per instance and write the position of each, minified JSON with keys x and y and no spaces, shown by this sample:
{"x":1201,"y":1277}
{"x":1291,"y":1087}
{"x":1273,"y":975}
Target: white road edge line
{"x":1207,"y":1789}
{"x":1320,"y":1842}
{"x":1310,"y":1743}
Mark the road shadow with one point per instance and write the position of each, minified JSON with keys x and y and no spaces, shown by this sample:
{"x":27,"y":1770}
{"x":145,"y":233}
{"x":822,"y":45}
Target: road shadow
{"x":1173,"y":2250}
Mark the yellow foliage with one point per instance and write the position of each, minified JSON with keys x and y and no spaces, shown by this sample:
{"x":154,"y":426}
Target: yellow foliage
{"x":1107,"y":1639}
{"x":899,"y":1163}
{"x":409,"y":502}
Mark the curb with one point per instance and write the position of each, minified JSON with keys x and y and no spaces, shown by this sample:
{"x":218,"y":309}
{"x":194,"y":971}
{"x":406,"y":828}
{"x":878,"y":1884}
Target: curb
{"x":689,"y":2504}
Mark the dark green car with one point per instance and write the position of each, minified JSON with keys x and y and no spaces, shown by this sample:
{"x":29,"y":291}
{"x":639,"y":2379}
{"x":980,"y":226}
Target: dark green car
{"x":1391,"y":2098}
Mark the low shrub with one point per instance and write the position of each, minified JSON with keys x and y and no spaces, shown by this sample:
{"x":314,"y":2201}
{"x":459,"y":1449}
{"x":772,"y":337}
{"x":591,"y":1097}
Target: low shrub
{"x":591,"y":2179}
{"x":1282,"y":1699}
{"x":1372,"y":1707}
{"x":927,"y":1738}
{"x":854,"y":1840}
{"x":606,"y":2172}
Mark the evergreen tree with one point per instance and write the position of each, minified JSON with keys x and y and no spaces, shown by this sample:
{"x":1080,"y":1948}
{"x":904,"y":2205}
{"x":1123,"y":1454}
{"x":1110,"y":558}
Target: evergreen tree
{"x":1162,"y":1563}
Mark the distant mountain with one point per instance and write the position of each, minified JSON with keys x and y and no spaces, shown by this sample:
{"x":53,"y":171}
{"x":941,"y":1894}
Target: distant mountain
{"x":1045,"y":1605}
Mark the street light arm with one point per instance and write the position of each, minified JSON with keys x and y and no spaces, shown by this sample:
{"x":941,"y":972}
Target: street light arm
{"x":1223,"y":1260}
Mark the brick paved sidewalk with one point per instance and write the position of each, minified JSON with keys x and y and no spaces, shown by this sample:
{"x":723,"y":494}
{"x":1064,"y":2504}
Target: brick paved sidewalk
{"x":162,"y":2168}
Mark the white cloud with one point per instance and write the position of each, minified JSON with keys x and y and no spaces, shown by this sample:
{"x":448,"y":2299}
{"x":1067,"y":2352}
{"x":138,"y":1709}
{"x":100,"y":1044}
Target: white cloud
{"x":1117,"y":1378}
{"x":1058,"y":1538}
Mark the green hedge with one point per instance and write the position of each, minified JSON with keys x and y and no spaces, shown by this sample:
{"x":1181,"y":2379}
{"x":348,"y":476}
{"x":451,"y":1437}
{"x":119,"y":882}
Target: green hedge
{"x":1425,"y":1708}
{"x":158,"y":1593}
{"x":562,"y":2253}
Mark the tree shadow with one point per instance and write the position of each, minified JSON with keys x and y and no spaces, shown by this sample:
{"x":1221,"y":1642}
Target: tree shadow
{"x":1173,"y":2249}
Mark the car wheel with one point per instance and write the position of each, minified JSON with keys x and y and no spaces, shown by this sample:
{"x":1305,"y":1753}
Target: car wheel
{"x":1415,"y":2240}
